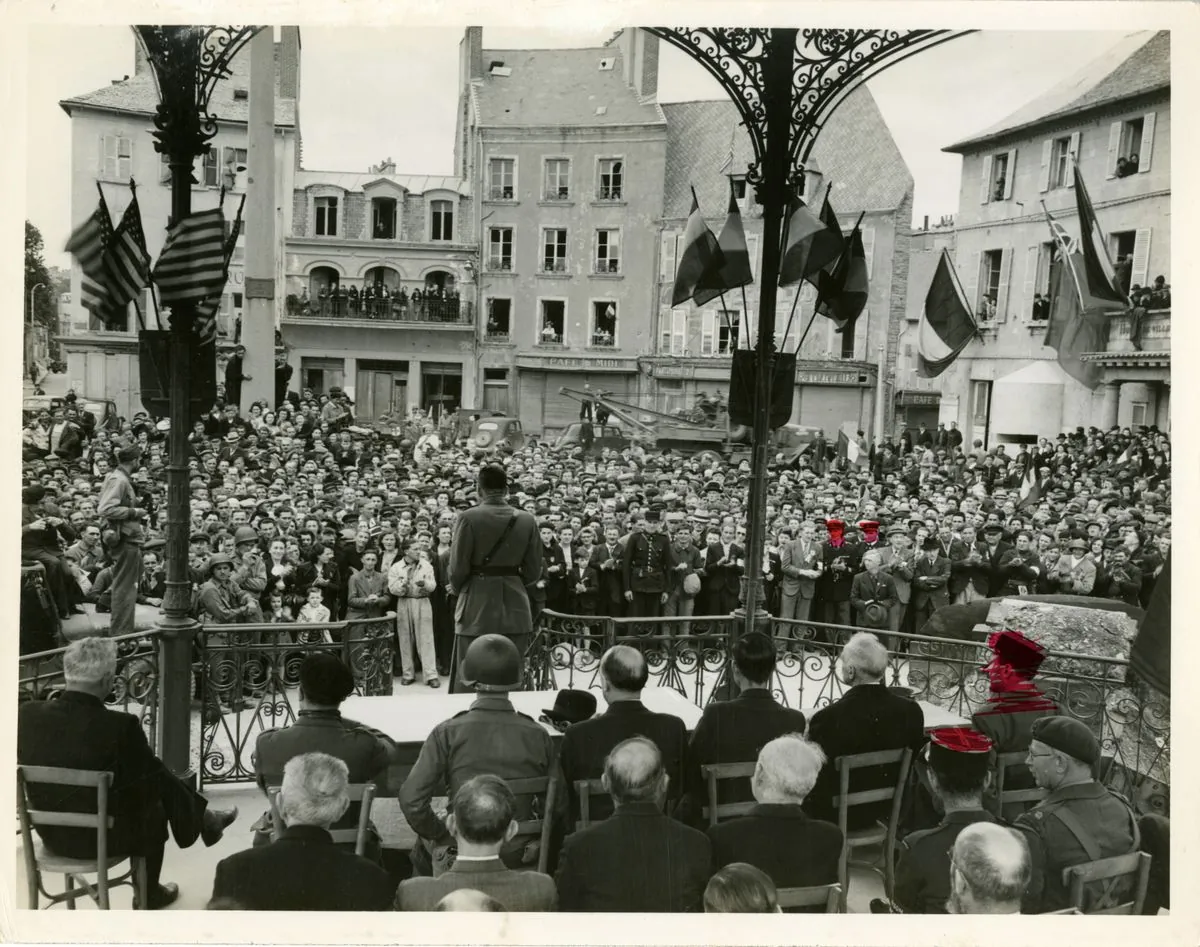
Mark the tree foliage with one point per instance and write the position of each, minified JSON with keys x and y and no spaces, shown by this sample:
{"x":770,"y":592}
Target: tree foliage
{"x":45,"y":304}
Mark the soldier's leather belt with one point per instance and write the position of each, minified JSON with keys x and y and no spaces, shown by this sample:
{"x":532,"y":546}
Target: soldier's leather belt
{"x":496,"y":570}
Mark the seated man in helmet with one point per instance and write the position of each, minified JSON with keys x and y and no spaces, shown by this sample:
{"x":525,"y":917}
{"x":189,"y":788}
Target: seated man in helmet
{"x":490,"y":737}
{"x":222,"y":600}
{"x":249,"y":570}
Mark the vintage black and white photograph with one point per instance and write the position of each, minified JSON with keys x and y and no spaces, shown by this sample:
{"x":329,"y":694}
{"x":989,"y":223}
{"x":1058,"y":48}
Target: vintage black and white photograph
{"x":535,"y":469}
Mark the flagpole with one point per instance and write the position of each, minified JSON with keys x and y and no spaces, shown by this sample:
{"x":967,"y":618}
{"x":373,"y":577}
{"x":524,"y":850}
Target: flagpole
{"x":149,"y":281}
{"x":796,"y":298}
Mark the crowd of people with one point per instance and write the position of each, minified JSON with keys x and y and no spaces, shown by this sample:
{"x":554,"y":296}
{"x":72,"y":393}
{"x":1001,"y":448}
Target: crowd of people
{"x":300,"y":515}
{"x":377,"y":301}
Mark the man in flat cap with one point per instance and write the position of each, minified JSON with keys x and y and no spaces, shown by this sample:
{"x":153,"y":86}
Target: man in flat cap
{"x":1081,"y":820}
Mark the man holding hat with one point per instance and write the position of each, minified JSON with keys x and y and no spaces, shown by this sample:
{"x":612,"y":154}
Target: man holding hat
{"x":124,"y":536}
{"x":325,"y":682}
{"x":1079,"y":821}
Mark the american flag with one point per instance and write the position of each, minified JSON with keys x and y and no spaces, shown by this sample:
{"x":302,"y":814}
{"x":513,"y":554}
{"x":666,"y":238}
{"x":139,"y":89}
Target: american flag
{"x":88,"y":245}
{"x":192,"y":264}
{"x":126,"y":259}
{"x":206,"y":311}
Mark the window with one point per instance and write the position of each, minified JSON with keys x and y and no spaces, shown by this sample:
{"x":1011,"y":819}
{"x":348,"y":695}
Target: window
{"x":729,"y":323}
{"x":1138,"y":410}
{"x":670,"y":395}
{"x":495,"y":390}
{"x":209,"y":173}
{"x":557,"y":184}
{"x":989,"y":284}
{"x":238,"y":255}
{"x":997,"y":177}
{"x":553,"y":321}
{"x":604,"y":323}
{"x":1037,"y":281}
{"x":383,"y":218}
{"x":441,"y":220}
{"x":739,"y":188}
{"x":116,"y":158}
{"x":981,"y":392}
{"x":608,"y":251}
{"x":1129,"y":156}
{"x":500,"y":248}
{"x":502,"y":178}
{"x":1061,"y":174}
{"x":325,"y":221}
{"x":612,"y":179}
{"x":234,"y":160}
{"x":672,"y":325}
{"x":1121,"y":243}
{"x":237,"y":300}
{"x":499,"y":319}
{"x":554,"y":250}
{"x":1130,"y":144}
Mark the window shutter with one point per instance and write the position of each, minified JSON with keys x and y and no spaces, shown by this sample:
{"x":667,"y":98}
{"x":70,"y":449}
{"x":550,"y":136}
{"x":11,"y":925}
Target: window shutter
{"x":1147,"y":143}
{"x":125,"y":164}
{"x":678,"y":331}
{"x":971,"y":287}
{"x":664,"y":330}
{"x":1011,"y":174}
{"x":666,"y":257}
{"x":1073,"y":154}
{"x":868,"y":242}
{"x":861,"y":325}
{"x":985,"y":180}
{"x":108,"y":157}
{"x":1141,"y":258}
{"x":1006,"y":260}
{"x":1047,"y":154}
{"x":1031,"y":268}
{"x":752,"y":253}
{"x":1114,"y":147}
{"x":708,"y":332}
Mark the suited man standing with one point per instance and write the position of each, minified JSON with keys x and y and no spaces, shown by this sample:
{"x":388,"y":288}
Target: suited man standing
{"x":550,"y":590}
{"x":724,"y":563}
{"x":998,"y":556}
{"x":955,"y":551}
{"x":683,"y":581}
{"x":842,"y":559}
{"x":873,"y":588}
{"x":896,"y":560}
{"x":607,"y":558}
{"x":644,"y":568}
{"x":638,"y":860}
{"x":868,"y":717}
{"x":585,"y":745}
{"x":930,"y":576}
{"x":800,"y":561}
{"x":304,"y":870}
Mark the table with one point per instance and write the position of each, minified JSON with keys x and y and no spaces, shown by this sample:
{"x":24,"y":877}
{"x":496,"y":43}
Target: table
{"x":935,"y":716}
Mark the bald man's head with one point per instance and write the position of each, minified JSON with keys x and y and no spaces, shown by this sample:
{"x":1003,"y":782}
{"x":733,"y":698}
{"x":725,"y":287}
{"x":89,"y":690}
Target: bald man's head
{"x":624,"y":669}
{"x":993,"y":864}
{"x":468,"y":899}
{"x":634,"y":772}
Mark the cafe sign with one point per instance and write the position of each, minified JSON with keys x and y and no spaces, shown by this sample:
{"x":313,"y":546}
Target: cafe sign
{"x":569,"y":363}
{"x":830,"y":378}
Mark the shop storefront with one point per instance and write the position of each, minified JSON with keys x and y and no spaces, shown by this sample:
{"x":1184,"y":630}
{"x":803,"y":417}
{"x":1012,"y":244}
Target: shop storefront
{"x":544,"y":410}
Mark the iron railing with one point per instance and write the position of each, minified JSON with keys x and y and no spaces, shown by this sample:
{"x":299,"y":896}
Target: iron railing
{"x":393,"y":309}
{"x":690,"y":655}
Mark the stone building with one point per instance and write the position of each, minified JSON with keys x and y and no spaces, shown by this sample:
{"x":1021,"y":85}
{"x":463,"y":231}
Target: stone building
{"x":1114,"y":118}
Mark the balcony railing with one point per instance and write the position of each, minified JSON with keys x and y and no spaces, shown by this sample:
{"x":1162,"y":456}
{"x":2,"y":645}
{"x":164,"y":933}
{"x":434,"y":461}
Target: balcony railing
{"x":496,"y":335}
{"x":1152,"y":335}
{"x":550,"y":338}
{"x":393,"y":309}
{"x":606,"y":266}
{"x":603,"y":340}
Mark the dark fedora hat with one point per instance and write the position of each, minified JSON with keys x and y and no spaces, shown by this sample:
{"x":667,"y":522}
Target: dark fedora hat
{"x":572,"y":706}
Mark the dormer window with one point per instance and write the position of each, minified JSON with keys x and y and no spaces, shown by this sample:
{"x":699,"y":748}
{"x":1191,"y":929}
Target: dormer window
{"x":383,"y":218}
{"x":240,"y":95}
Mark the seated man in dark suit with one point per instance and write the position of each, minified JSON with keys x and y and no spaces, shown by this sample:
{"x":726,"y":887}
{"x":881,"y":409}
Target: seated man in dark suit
{"x":776,"y":836}
{"x":735,"y":731}
{"x":78,"y":731}
{"x":481,"y":822}
{"x":623,"y":675}
{"x":466,"y":899}
{"x":867,"y":718}
{"x":638,"y":859}
{"x":304,"y":870}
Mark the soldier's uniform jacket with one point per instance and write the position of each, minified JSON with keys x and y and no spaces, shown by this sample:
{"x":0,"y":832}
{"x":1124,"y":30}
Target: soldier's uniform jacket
{"x":365,"y":751}
{"x":647,"y":561}
{"x":923,"y":863}
{"x":490,"y":737}
{"x":1072,"y":825}
{"x":494,"y":600}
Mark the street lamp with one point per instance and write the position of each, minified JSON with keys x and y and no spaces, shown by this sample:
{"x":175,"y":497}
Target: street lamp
{"x":187,"y":62}
{"x":31,"y":341}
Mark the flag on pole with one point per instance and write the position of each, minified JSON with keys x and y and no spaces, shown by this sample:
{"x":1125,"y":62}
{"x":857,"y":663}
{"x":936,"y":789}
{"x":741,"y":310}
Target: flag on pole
{"x":88,"y":244}
{"x":126,"y":259}
{"x":192,"y":263}
{"x":735,"y":270}
{"x":206,"y":311}
{"x":842,"y":293}
{"x":946,"y":324}
{"x":1100,"y":277}
{"x":701,"y":255}
{"x":1031,"y":488}
{"x":812,"y":243}
{"x":848,"y":448}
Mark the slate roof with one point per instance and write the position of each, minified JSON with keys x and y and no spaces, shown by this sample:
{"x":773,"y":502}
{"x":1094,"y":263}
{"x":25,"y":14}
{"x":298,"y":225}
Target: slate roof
{"x":558,"y":87}
{"x":354,"y":181}
{"x":138,"y":95}
{"x":1138,"y":64}
{"x":855,"y":151}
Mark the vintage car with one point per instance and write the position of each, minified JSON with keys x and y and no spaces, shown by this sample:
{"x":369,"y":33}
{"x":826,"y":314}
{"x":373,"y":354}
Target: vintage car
{"x":497,"y":434}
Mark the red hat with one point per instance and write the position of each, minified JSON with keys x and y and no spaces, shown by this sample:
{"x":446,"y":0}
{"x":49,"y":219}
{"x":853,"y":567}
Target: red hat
{"x":1013,"y":648}
{"x":836,"y":531}
{"x":960,"y":740}
{"x":870,"y":530}
{"x":961,"y":754}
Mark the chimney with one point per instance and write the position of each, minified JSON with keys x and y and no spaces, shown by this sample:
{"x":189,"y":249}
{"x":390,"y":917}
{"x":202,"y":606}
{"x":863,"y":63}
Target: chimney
{"x":926,"y":226}
{"x":287,"y":58}
{"x":470,"y":54}
{"x":639,"y":60}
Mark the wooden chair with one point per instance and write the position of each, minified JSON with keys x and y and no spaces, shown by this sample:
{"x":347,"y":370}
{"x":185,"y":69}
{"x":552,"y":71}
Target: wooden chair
{"x":1006,"y":797}
{"x":585,"y":789}
{"x":715,"y":772}
{"x":363,"y":793}
{"x":880,"y":833}
{"x":828,"y":895}
{"x":39,"y":859}
{"x":537,"y":786}
{"x":1095,"y":886}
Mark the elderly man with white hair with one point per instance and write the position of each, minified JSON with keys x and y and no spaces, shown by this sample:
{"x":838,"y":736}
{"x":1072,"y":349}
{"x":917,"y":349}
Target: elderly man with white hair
{"x":777,"y":836}
{"x":867,"y":718}
{"x":304,"y":870}
{"x":989,"y":869}
{"x":78,"y":731}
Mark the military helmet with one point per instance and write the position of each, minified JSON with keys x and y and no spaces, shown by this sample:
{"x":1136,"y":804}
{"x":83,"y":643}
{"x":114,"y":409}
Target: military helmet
{"x":492,"y":663}
{"x":244,"y":534}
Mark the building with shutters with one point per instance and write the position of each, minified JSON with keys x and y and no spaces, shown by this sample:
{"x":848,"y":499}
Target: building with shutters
{"x":1114,"y":117}
{"x":837,"y":375}
{"x":111,"y":142}
{"x":564,"y":150}
{"x":369,"y":233}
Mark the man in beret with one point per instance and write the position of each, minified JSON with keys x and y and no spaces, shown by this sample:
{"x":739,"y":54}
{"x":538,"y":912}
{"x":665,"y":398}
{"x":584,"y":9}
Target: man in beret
{"x":1079,"y":821}
{"x":325,"y":682}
